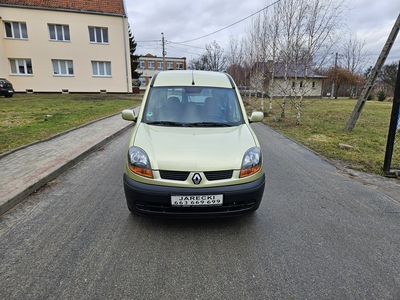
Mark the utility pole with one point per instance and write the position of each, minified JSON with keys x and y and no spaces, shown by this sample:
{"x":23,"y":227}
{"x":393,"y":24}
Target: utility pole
{"x":163,"y":50}
{"x":372,"y":77}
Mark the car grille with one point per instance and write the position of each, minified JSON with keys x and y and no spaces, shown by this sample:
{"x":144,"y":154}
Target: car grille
{"x":158,"y":208}
{"x":218,"y":175}
{"x":182,"y":176}
{"x":174,"y":175}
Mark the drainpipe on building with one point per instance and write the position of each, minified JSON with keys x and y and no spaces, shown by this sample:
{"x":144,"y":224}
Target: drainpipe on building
{"x":126,"y":56}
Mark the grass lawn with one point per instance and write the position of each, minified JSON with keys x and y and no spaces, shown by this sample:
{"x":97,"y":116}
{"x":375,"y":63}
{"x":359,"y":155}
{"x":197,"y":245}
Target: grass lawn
{"x":26,"y":118}
{"x":321,"y":129}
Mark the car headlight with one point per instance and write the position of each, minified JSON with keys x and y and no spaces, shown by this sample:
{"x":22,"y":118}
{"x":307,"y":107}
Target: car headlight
{"x":251,"y":163}
{"x":139,"y":162}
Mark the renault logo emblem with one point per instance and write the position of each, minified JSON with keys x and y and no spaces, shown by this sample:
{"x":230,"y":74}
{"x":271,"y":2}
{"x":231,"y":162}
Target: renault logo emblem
{"x":196,"y":178}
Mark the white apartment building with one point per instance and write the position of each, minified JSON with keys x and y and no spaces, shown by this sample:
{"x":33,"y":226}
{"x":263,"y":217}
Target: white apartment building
{"x":65,"y":46}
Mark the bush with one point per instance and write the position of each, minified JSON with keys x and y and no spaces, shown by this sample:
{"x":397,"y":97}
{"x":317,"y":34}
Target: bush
{"x":381,"y":95}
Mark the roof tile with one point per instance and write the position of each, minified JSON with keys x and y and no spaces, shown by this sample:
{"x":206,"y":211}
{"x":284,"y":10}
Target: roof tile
{"x":109,"y":6}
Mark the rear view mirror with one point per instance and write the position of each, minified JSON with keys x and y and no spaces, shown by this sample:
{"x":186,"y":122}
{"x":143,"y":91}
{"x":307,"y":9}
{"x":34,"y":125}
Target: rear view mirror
{"x":128,"y":115}
{"x":256,"y":116}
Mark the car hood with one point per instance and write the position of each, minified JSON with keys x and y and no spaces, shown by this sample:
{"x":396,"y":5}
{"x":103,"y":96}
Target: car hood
{"x":194,"y":149}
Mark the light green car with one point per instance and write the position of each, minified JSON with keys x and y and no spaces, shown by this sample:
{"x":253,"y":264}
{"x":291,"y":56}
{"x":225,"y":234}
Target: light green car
{"x":192,"y":152}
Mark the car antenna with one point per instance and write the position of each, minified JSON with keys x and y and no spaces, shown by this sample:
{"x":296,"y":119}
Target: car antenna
{"x":193,"y":78}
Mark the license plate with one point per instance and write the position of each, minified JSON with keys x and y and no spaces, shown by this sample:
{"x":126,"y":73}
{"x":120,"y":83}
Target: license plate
{"x":10,"y":91}
{"x":196,"y":200}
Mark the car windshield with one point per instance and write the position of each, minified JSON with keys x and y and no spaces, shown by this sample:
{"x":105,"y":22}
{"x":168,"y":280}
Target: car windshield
{"x":192,"y":106}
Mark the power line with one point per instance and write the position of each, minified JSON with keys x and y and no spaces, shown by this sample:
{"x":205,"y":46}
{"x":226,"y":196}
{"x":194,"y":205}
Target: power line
{"x":150,"y":41}
{"x":169,"y":43}
{"x":181,"y":43}
{"x":185,"y":50}
{"x":229,"y":25}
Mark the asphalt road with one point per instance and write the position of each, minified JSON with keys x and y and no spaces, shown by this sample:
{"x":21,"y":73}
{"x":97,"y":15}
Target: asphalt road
{"x":317,"y":235}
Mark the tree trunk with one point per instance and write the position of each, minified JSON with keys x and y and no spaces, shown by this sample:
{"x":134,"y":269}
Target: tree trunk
{"x":299,"y":110}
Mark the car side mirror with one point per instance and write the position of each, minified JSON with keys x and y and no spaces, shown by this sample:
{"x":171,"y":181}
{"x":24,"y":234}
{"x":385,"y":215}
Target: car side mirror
{"x":256,"y":116}
{"x":128,"y":115}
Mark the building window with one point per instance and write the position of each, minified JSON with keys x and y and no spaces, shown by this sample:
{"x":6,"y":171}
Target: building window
{"x":313,"y":84}
{"x":63,"y":67}
{"x":142,"y":64}
{"x":179,"y":65}
{"x":151,"y":65}
{"x":101,"y":68}
{"x":98,"y":35}
{"x":170,"y":65}
{"x":21,"y":66}
{"x":293,"y":84}
{"x":301,"y":84}
{"x":142,"y":80}
{"x":160,"y":65}
{"x":16,"y":30}
{"x":59,"y":32}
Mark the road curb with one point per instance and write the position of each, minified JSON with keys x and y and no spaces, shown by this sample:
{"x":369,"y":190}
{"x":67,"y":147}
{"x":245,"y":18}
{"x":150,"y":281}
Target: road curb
{"x":18,"y":195}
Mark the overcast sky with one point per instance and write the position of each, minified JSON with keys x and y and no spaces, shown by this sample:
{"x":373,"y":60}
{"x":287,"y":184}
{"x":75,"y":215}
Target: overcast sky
{"x":184,"y":20}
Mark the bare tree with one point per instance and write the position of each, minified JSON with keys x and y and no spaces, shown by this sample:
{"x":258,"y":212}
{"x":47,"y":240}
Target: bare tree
{"x":353,"y":54}
{"x":354,"y":59}
{"x":284,"y":30}
{"x":341,"y":76}
{"x":389,"y":74}
{"x":211,"y":60}
{"x":274,"y":27}
{"x":199,"y":63}
{"x":258,"y":48}
{"x":234,"y":59}
{"x":308,"y":36}
{"x":298,"y":36}
{"x":215,"y":57}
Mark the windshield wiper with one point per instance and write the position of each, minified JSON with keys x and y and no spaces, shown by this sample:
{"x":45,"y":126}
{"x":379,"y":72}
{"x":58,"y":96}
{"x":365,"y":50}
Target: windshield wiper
{"x":197,"y":124}
{"x":166,"y":123}
{"x":209,"y":124}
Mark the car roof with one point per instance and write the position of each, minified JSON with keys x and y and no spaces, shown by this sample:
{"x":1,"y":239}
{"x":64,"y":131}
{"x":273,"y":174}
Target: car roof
{"x":192,"y":78}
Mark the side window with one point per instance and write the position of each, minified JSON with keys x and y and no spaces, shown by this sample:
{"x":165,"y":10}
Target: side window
{"x":98,"y":35}
{"x":142,"y":80}
{"x":16,"y":30}
{"x":101,"y":68}
{"x":20,"y":66}
{"x":63,"y":67}
{"x":59,"y":32}
{"x":151,"y":65}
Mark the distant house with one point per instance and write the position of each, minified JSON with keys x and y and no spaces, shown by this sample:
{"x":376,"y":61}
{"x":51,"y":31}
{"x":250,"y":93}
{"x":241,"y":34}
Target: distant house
{"x":65,"y":46}
{"x":150,"y":64}
{"x":280,"y":79}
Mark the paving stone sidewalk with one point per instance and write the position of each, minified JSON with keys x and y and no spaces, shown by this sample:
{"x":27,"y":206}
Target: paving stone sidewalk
{"x":28,"y":168}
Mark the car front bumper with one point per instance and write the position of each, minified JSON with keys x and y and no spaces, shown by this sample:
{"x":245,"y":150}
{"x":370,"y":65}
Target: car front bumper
{"x":149,"y":199}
